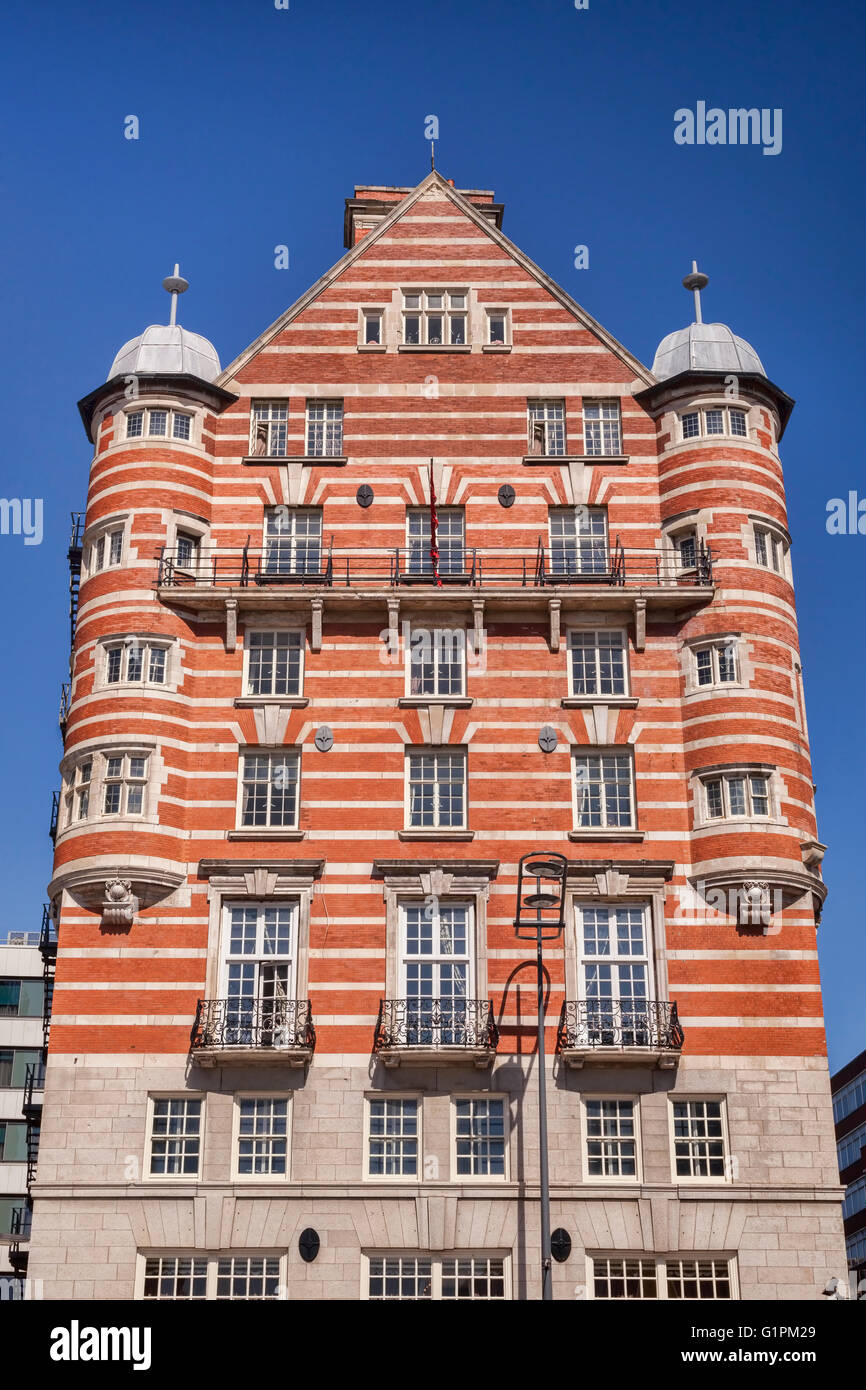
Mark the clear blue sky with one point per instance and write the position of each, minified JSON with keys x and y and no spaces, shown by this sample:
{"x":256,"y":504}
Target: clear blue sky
{"x":255,"y":124}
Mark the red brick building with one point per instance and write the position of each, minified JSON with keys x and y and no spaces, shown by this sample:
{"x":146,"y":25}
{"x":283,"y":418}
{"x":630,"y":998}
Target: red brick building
{"x":303,"y":756}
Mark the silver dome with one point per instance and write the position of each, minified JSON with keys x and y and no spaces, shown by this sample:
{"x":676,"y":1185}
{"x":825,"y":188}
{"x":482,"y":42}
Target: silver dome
{"x":705,"y":347}
{"x":167,"y":348}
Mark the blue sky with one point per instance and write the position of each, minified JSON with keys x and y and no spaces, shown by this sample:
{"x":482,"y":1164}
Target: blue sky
{"x":256,"y":123}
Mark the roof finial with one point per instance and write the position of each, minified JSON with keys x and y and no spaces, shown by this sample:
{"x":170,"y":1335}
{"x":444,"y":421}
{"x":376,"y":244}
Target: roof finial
{"x":175,"y":284}
{"x":432,"y":155}
{"x":696,"y":282}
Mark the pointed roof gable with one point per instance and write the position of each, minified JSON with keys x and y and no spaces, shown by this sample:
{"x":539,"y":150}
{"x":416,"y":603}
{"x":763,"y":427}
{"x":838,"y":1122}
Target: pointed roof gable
{"x":435,"y":180}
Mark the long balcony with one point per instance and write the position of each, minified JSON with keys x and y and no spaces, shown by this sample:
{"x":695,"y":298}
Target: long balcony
{"x":268,"y":1032}
{"x":426,"y":1031}
{"x":619,"y":1031}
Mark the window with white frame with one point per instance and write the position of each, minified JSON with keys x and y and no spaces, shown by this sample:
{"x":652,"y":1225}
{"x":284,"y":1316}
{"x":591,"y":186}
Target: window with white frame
{"x":324,"y":429}
{"x":699,"y":1139}
{"x":409,"y":1277}
{"x":849,"y":1097}
{"x":105,"y":550}
{"x":611,"y":1138}
{"x":712,"y":421}
{"x":479,"y":1137}
{"x":497,"y":327}
{"x":715,"y":663}
{"x":436,"y":790}
{"x":434,"y":318}
{"x":124,"y":782}
{"x":175,"y":1138}
{"x":202,"y":1277}
{"x":274,"y":663}
{"x":546,"y":421}
{"x":136,"y":661}
{"x":450,"y":541}
{"x":436,"y":970}
{"x":685,"y":543}
{"x":604,"y":791}
{"x":258,"y":973}
{"x":82,"y":782}
{"x":293,"y":541}
{"x":615,"y":979}
{"x":731,"y":795}
{"x":770,"y":549}
{"x":371,"y":327}
{"x":602,"y":428}
{"x":187,"y":549}
{"x":660,"y":1277}
{"x":598,"y":662}
{"x":158,"y":424}
{"x":578,"y":541}
{"x":393,"y":1137}
{"x":269,"y":790}
{"x":262,"y":1136}
{"x":268,"y":429}
{"x":437,"y":661}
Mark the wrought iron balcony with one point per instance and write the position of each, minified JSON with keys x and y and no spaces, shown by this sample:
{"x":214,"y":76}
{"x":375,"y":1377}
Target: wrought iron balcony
{"x":604,"y":1030}
{"x":48,"y":936}
{"x":257,"y":1030}
{"x":491,"y":568}
{"x":457,"y":1030}
{"x":34,"y":1084}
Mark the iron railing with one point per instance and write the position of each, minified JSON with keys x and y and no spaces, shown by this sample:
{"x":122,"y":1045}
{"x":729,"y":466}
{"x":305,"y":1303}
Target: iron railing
{"x":55,"y":815}
{"x":34,"y":1080}
{"x":48,"y":935}
{"x":63,"y":713}
{"x":436,"y":1023}
{"x":32,"y":1154}
{"x":620,"y":1023}
{"x":256,"y":1023}
{"x":74,"y":556}
{"x":603,"y":563}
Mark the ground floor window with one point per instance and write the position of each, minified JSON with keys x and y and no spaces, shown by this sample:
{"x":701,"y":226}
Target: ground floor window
{"x":207,"y":1276}
{"x":652,"y":1276}
{"x":412,"y":1277}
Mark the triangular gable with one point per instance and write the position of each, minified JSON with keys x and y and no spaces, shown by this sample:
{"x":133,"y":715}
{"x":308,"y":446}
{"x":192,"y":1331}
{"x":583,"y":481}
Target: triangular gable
{"x":435,"y":180}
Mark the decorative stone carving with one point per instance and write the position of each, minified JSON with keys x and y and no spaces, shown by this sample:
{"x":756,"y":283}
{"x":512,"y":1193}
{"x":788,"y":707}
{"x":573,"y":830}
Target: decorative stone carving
{"x":121,"y":904}
{"x":754,"y":905}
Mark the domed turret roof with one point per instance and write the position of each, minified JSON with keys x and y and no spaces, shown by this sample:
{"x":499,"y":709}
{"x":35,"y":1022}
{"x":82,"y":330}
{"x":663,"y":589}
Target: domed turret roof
{"x":166,"y":347}
{"x":704,"y":347}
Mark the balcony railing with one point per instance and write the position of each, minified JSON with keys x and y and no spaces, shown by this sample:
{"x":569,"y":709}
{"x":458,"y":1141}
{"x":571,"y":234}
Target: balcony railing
{"x":34,"y":1084}
{"x":619,"y":1023}
{"x":266,"y":1024}
{"x":32,"y":1153}
{"x":55,"y":815}
{"x":48,"y":936}
{"x":492,"y":567}
{"x":63,"y":712}
{"x":436,"y":1024}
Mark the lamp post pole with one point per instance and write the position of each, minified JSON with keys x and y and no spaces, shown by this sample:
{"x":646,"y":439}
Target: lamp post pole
{"x":548,"y":868}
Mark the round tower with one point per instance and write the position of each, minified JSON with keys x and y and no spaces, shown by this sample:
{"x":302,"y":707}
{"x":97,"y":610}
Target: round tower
{"x":128,"y":721}
{"x":722,"y":501}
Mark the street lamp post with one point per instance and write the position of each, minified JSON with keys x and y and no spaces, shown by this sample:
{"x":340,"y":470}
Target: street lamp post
{"x":541,"y":913}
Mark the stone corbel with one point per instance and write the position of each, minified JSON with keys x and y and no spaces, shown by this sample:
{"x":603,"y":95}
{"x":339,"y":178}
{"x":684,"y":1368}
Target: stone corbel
{"x":316,"y":606}
{"x":393,"y":626}
{"x":639,"y":624}
{"x":120,"y":905}
{"x":554,"y":606}
{"x":231,"y":624}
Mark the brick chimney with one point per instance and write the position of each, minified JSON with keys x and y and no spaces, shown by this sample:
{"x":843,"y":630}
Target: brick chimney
{"x":372,"y":202}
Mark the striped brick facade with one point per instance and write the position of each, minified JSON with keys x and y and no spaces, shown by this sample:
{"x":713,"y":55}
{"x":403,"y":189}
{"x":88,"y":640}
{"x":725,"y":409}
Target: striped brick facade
{"x":126,"y":994}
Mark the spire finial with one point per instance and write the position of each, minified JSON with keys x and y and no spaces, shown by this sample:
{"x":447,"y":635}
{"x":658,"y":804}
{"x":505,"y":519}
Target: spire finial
{"x":695,"y":282}
{"x":175,"y":284}
{"x":432,"y":155}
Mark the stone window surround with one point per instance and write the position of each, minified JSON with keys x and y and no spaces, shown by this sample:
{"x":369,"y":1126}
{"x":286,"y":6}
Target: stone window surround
{"x":745,"y":668}
{"x":618,"y":884}
{"x":212,"y":1257}
{"x":394,"y":1178}
{"x":99,"y":750}
{"x":775,"y":787}
{"x":697,"y":520}
{"x":436,"y":1258}
{"x":660,"y":1262}
{"x":689,"y":1098}
{"x":604,"y":623}
{"x":270,"y":623}
{"x":434,"y":832}
{"x":432,"y":624}
{"x":256,"y":1094}
{"x":268,"y":831}
{"x":169,"y":644}
{"x":234,"y":880}
{"x":472,"y":1179}
{"x":477,"y":331}
{"x":195,"y":1177}
{"x":757,"y":521}
{"x":116,"y":522}
{"x":192,"y":523}
{"x":416,"y":880}
{"x":606,"y":1179}
{"x":603,"y":832}
{"x":671,"y":420}
{"x":171,"y":406}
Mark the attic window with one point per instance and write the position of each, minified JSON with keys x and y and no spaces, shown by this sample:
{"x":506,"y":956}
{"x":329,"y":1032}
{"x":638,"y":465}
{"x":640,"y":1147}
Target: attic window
{"x":434,"y":318}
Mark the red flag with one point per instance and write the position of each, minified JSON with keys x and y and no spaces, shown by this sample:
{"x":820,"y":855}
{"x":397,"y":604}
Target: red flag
{"x":434,"y":527}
